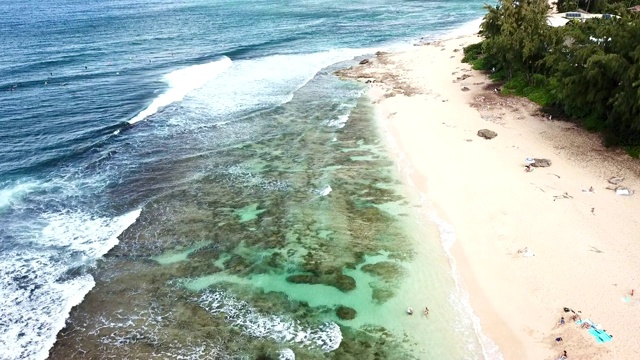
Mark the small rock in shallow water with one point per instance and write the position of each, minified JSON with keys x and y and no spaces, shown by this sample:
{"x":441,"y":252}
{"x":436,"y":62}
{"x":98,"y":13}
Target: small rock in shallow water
{"x":346,"y":313}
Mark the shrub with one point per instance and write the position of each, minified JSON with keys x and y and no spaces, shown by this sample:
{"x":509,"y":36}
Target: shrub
{"x":634,"y":151}
{"x":472,"y":52}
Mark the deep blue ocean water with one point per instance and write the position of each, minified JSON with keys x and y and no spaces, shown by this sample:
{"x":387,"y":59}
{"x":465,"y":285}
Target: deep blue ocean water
{"x":106,"y":105}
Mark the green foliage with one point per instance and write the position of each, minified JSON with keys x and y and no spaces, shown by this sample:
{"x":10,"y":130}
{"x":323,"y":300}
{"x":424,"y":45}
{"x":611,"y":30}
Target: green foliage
{"x":590,"y":69}
{"x":482,"y":64}
{"x":593,"y":123}
{"x":633,"y":151}
{"x":567,"y":5}
{"x":472,"y":52}
{"x":473,"y":55}
{"x":537,"y":89}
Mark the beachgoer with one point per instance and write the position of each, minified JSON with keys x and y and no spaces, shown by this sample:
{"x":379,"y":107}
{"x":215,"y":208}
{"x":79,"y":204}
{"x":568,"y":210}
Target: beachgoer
{"x":631,"y":292}
{"x":562,"y":320}
{"x":564,"y":354}
{"x":410,"y":310}
{"x":426,"y":311}
{"x":586,"y":325}
{"x":527,"y":168}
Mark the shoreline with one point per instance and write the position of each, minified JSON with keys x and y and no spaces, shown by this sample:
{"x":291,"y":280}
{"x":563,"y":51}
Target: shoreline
{"x":479,"y":187}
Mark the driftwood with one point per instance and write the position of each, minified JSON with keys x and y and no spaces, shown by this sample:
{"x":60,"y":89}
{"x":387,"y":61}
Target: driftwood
{"x":563,"y":196}
{"x":615,"y":180}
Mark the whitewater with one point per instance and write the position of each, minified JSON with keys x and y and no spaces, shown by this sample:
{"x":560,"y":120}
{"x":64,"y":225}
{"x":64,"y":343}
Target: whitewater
{"x":190,"y":82}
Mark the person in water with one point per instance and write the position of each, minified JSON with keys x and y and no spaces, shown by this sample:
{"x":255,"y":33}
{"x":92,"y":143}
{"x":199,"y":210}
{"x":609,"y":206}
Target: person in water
{"x":426,"y":311}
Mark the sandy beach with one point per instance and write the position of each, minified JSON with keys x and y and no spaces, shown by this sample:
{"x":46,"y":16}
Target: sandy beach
{"x":581,"y":238}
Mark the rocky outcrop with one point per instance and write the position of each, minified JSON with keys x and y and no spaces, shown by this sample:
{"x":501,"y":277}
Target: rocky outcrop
{"x":341,"y":282}
{"x":541,"y":163}
{"x":487,"y":134}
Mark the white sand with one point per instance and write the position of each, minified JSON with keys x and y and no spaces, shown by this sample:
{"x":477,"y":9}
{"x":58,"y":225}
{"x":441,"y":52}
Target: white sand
{"x":583,"y":260}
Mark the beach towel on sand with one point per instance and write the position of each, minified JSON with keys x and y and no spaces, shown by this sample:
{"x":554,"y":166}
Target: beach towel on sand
{"x":601,"y":336}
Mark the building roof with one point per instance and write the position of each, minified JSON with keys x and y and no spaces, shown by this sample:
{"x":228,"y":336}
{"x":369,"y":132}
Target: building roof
{"x":556,"y":21}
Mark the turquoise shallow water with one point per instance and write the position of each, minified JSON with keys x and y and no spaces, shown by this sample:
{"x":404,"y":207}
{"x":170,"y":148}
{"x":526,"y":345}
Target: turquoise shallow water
{"x":181,"y":170}
{"x":259,"y":253}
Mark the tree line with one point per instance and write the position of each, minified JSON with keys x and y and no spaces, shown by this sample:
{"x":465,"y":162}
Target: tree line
{"x":588,"y":70}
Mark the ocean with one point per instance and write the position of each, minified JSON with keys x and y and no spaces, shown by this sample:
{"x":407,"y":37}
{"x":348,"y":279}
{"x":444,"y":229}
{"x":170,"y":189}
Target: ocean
{"x":190,"y":180}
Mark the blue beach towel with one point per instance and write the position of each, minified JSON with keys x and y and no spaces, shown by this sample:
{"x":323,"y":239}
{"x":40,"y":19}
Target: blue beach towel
{"x":600,"y":335}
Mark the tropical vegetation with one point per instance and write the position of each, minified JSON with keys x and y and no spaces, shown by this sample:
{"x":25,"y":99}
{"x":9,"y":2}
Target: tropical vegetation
{"x":587,"y":70}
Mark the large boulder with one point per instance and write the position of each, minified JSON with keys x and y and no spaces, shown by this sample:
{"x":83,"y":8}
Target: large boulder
{"x":487,"y":134}
{"x":541,"y":163}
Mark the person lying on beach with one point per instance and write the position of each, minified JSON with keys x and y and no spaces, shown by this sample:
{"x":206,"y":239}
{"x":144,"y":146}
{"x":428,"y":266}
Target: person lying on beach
{"x":586,"y":325}
{"x":528,"y":168}
{"x":575,"y":317}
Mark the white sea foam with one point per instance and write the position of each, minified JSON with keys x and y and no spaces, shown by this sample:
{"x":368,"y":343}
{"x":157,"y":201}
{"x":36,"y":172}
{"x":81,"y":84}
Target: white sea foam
{"x":460,"y":298}
{"x":256,"y":84}
{"x":325,"y":191}
{"x":36,"y":290}
{"x":246,"y":177}
{"x":182,"y":82}
{"x":79,"y":232}
{"x":287,"y":354}
{"x":14,"y":193}
{"x":326,"y":337}
{"x":339,"y":122}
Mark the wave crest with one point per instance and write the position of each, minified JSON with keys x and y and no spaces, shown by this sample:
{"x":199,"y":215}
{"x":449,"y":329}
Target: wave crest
{"x":182,"y":82}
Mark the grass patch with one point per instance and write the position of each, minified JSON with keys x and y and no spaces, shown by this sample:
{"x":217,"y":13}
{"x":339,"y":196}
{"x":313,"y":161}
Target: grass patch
{"x":633,"y":151}
{"x":472,"y":52}
{"x":536,"y":88}
{"x":474,"y":56}
{"x":593,"y":123}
